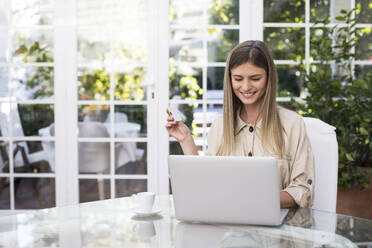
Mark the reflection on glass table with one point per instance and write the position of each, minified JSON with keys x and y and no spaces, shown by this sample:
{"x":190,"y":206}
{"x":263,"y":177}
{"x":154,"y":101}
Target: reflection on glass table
{"x":125,"y":151}
{"x":112,"y":223}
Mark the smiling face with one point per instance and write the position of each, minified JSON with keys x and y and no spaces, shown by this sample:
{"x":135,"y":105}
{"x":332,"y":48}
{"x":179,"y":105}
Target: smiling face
{"x":249,"y":83}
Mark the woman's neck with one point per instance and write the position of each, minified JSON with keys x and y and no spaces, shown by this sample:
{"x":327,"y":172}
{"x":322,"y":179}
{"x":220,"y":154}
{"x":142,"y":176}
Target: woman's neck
{"x":250,"y":114}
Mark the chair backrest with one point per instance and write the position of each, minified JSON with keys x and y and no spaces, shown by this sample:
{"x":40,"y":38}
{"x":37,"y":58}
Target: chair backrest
{"x":118,"y":117}
{"x":8,"y":110}
{"x":324,"y":145}
{"x":94,"y":157}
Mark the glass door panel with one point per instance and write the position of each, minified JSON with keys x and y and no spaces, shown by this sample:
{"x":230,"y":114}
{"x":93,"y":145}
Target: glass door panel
{"x":113,"y":96}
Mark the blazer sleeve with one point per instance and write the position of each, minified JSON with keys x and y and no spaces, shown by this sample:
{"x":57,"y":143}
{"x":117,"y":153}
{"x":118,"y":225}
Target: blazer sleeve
{"x":302,"y":181}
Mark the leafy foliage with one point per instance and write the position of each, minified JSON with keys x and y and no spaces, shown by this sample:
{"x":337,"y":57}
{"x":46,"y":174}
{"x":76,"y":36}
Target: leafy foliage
{"x":39,"y":81}
{"x":338,"y":98}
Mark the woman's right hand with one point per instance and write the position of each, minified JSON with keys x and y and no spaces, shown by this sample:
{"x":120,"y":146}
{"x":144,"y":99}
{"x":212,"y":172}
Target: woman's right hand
{"x":177,"y":129}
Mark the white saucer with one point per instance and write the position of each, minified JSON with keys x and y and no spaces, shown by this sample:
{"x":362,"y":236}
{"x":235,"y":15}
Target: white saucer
{"x":140,"y":213}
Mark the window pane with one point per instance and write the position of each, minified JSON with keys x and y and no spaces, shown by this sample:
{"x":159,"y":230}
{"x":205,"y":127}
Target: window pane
{"x":223,"y":12}
{"x":31,"y":45}
{"x":93,"y":46}
{"x":110,"y":13}
{"x":362,"y":70}
{"x":286,"y":43}
{"x":318,"y":45}
{"x":284,"y":11}
{"x":364,"y":44}
{"x":4,"y":82}
{"x":130,"y":157}
{"x":4,"y":193}
{"x":290,"y":80}
{"x":5,"y":110}
{"x":319,"y":9}
{"x":186,"y":12}
{"x":93,"y":189}
{"x":220,"y":43}
{"x":4,"y":7}
{"x":175,"y":148}
{"x":127,"y":85}
{"x":364,"y":11}
{"x":129,"y":49}
{"x":137,"y":119}
{"x":215,"y":76}
{"x":33,"y":83}
{"x":34,"y":193}
{"x":185,"y":82}
{"x":94,"y":157}
{"x":34,"y":157}
{"x":186,"y":45}
{"x":92,"y":13}
{"x":93,"y":84}
{"x":186,"y":113}
{"x":93,"y":113}
{"x":125,"y":128}
{"x":33,"y":12}
{"x":128,"y":187}
{"x":29,"y":119}
{"x":4,"y":46}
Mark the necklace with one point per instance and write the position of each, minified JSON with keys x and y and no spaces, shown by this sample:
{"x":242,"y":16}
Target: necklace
{"x":252,"y":129}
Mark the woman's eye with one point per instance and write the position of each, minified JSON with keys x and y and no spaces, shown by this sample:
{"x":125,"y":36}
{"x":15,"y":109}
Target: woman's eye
{"x":256,"y":79}
{"x":238,"y":79}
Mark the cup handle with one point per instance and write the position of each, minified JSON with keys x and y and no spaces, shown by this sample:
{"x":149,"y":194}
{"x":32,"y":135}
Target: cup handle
{"x":135,"y":196}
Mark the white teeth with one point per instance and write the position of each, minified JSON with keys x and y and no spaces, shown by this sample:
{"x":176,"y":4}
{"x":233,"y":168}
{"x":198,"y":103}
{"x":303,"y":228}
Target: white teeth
{"x":248,"y":94}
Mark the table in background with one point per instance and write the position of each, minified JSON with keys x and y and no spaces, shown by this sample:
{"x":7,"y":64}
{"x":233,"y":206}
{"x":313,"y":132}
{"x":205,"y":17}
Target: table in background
{"x":111,"y":223}
{"x":125,"y":151}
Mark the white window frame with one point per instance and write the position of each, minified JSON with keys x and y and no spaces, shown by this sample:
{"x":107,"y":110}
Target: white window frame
{"x":11,"y":101}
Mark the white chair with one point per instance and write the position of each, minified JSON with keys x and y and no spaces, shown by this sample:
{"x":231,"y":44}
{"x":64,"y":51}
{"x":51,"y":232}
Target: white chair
{"x":5,"y":113}
{"x":325,"y":149}
{"x":118,"y":117}
{"x":94,"y":157}
{"x":128,"y":151}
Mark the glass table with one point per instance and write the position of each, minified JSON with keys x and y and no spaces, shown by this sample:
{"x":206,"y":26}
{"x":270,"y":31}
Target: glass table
{"x":112,"y":223}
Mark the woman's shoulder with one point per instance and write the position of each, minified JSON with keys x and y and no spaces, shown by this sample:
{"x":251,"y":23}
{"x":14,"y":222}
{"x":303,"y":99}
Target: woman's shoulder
{"x":218,"y":122}
{"x":289,"y":117}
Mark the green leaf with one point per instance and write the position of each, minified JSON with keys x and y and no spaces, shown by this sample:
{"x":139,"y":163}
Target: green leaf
{"x":349,"y":157}
{"x":21,"y":50}
{"x":34,"y":47}
{"x":363,"y":131}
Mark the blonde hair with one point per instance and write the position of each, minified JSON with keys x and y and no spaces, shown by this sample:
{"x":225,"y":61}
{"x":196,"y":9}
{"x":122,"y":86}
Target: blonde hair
{"x":257,"y":53}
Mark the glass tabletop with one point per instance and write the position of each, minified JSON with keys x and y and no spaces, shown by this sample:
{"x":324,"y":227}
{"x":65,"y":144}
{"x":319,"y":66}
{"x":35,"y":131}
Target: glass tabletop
{"x":112,"y":223}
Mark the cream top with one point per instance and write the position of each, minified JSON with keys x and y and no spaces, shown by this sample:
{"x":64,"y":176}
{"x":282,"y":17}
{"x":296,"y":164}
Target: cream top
{"x":296,"y":170}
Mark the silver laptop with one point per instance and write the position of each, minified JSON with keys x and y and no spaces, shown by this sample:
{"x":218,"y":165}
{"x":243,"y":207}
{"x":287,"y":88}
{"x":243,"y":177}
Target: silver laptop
{"x":219,"y":189}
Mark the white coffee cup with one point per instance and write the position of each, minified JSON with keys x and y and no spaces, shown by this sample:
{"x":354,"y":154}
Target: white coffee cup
{"x":144,"y":228}
{"x":145,"y":201}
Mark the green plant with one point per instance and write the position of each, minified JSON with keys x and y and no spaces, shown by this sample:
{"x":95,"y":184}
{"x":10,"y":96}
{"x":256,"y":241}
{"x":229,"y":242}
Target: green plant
{"x":339,"y":98}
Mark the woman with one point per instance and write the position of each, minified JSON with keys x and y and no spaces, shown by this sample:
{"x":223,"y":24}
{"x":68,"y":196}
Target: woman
{"x":254,"y":125}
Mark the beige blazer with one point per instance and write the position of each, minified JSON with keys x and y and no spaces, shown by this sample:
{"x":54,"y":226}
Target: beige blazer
{"x":296,"y":170}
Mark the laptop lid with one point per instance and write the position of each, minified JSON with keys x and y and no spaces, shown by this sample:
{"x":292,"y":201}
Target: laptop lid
{"x":221,"y":189}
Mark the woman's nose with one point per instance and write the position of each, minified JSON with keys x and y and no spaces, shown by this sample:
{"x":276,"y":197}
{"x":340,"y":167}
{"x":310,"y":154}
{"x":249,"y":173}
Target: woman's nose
{"x":246,"y":85}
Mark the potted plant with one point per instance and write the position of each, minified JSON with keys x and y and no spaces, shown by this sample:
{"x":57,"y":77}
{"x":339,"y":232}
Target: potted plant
{"x":341,"y":96}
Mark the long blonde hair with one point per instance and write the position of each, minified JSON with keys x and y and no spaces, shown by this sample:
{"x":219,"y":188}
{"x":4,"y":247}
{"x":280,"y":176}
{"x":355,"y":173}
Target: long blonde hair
{"x":257,"y":53}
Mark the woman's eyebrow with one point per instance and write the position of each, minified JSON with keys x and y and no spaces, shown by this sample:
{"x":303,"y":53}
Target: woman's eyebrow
{"x":256,"y":75}
{"x":253,"y":75}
